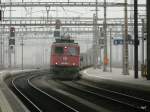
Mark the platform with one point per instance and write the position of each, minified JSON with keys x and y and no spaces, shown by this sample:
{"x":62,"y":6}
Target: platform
{"x":7,"y":97}
{"x":116,"y":76}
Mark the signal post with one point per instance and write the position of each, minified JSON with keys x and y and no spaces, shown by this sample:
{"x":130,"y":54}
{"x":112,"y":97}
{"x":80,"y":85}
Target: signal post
{"x":11,"y":46}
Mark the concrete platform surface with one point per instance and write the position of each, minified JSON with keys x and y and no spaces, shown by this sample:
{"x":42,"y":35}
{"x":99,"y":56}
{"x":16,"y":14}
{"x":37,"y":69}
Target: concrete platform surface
{"x":8,"y":100}
{"x":4,"y":104}
{"x":117,"y":76}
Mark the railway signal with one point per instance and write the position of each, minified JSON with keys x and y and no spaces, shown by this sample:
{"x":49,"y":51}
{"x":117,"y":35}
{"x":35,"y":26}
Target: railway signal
{"x":12,"y":35}
{"x":11,"y":41}
{"x":12,"y":32}
{"x":58,"y":24}
{"x":56,"y":33}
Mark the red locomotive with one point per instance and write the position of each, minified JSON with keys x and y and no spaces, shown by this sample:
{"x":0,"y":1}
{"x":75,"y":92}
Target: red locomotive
{"x":65,"y":57}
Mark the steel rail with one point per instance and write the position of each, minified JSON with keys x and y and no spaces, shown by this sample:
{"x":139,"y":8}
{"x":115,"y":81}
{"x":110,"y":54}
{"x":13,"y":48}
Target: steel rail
{"x":13,"y":83}
{"x":118,"y":93}
{"x":104,"y":96}
{"x":114,"y":92}
{"x":32,"y":85}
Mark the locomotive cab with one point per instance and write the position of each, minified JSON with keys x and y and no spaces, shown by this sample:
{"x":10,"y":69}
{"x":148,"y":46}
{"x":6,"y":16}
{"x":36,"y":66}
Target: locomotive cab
{"x":65,"y":57}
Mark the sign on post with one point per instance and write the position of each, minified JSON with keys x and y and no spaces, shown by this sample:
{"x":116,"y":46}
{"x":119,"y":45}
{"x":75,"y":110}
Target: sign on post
{"x":121,"y":41}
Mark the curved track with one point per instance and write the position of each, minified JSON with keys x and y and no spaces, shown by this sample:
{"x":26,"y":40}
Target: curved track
{"x":42,"y":94}
{"x":32,"y":106}
{"x":39,"y":100}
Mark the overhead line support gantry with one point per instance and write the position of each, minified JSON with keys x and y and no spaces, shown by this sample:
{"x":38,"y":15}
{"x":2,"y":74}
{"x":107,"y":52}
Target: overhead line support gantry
{"x":65,"y":4}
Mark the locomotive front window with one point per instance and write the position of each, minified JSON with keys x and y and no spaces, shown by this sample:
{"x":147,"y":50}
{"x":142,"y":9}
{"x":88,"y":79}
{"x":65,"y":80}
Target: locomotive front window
{"x":59,"y":50}
{"x":72,"y":51}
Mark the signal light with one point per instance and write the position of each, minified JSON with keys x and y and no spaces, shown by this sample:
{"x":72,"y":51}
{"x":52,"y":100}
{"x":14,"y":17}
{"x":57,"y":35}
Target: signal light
{"x":56,"y":33}
{"x":57,"y":24}
{"x":12,"y":32}
{"x":11,"y":41}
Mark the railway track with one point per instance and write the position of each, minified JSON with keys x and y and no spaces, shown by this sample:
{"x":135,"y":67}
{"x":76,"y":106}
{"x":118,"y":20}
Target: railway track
{"x":75,"y":101}
{"x":133,"y":101}
{"x":42,"y":94}
{"x":36,"y":99}
{"x":122,"y":101}
{"x":32,"y":106}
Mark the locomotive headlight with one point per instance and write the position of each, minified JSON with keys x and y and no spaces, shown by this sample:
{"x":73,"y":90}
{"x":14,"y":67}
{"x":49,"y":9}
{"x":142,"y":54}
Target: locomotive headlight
{"x":56,"y":63}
